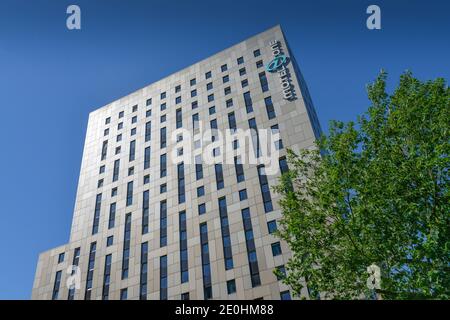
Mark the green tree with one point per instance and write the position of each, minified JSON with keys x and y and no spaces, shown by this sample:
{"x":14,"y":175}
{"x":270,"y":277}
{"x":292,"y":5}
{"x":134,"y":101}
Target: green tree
{"x":377,"y":192}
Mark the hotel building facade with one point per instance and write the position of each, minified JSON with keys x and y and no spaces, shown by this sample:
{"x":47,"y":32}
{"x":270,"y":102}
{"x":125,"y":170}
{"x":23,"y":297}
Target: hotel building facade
{"x":148,"y":226}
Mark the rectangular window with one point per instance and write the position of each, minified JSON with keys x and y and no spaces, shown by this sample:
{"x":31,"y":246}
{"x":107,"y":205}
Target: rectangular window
{"x":148,"y":113}
{"x":177,"y":100}
{"x":108,"y":120}
{"x":163,"y":223}
{"x":130,"y":193}
{"x":256,"y":53}
{"x":272,"y":226}
{"x":132,"y":150}
{"x":193,"y":82}
{"x":263,"y":82}
{"x":144,"y":272}
{"x":219,"y":176}
{"x":163,"y":165}
{"x":56,"y":285}
{"x":124,"y":294}
{"x":116,"y":170}
{"x":200,"y":191}
{"x":121,"y":113}
{"x":201,"y":209}
{"x":240,"y":60}
{"x":212,"y":110}
{"x":231,"y":286}
{"x":148,"y":102}
{"x":242,"y":72}
{"x":227,"y":90}
{"x":259,"y":64}
{"x":163,"y":138}
{"x":98,"y":204}
{"x":224,"y":68}
{"x":275,"y":131}
{"x":104,"y":149}
{"x":148,"y":131}
{"x":206,"y":268}
{"x":106,"y":277}
{"x":163,"y":95}
{"x":283,"y":165}
{"x":147,"y":158}
{"x":269,"y":108}
{"x":120,"y":126}
{"x":177,"y":89}
{"x":242,"y":194}
{"x":179,"y":118}
{"x":244,"y":83}
{"x":255,"y":136}
{"x":226,"y":79}
{"x":265,"y":189}
{"x":163,"y":106}
{"x":163,"y":278}
{"x":193,"y":93}
{"x":185,"y":296}
{"x":109,"y":241}
{"x":61,"y":257}
{"x":209,"y":86}
{"x":232,"y":121}
{"x":75,"y":262}
{"x":134,"y":119}
{"x":248,"y":102}
{"x":90,"y":271}
{"x":229,"y":103}
{"x":126,"y":246}
{"x":145,"y":211}
{"x":112,"y":215}
{"x":195,"y":121}
{"x":181,"y":183}
{"x":208,"y":75}
{"x":226,"y":239}
{"x":211,"y":97}
{"x":276,"y":249}
{"x":251,"y":249}
{"x":198,"y":167}
{"x":239,"y":169}
{"x":285,"y":295}
{"x":184,"y":269}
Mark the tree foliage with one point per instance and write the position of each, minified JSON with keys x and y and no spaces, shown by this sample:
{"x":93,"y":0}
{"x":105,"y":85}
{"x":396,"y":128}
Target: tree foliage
{"x":374,"y":192}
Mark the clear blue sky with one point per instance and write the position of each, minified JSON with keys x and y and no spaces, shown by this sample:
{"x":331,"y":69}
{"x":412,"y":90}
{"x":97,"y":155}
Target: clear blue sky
{"x":51,"y":78}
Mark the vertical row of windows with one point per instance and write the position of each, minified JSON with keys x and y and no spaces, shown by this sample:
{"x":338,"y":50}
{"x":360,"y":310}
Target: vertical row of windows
{"x":56,"y":285}
{"x":181,"y":183}
{"x":112,"y":215}
{"x":145,"y":211}
{"x":163,"y":223}
{"x":144,"y":270}
{"x":265,"y":189}
{"x":126,"y":246}
{"x":75,"y":262}
{"x":147,"y":158}
{"x":98,"y":203}
{"x":90,"y":271}
{"x":163,"y":278}
{"x":206,"y":268}
{"x":116,"y":170}
{"x":219,"y":176}
{"x":106,"y":277}
{"x":251,"y":249}
{"x":183,"y":248}
{"x":226,"y":240}
{"x":129,"y":193}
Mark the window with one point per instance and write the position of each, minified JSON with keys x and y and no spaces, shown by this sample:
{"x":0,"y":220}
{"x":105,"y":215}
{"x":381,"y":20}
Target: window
{"x":281,"y":269}
{"x":181,"y":183}
{"x":239,"y":168}
{"x":108,"y":120}
{"x":227,"y":90}
{"x":209,"y":86}
{"x":226,"y":240}
{"x":163,"y":106}
{"x":114,"y":192}
{"x":251,"y":249}
{"x":285,"y":295}
{"x":184,"y":269}
{"x":242,"y":194}
{"x":224,"y":68}
{"x":56,"y":285}
{"x":208,"y":75}
{"x":126,"y":246}
{"x":276,"y":249}
{"x":265,"y":189}
{"x":133,"y":132}
{"x":143,"y":272}
{"x":226,"y":79}
{"x":248,"y":102}
{"x":283,"y":165}
{"x":211,"y":97}
{"x":177,"y":89}
{"x":104,"y":149}
{"x":272,"y":226}
{"x":98,"y":203}
{"x":90,"y":271}
{"x":212,"y":110}
{"x":206,"y":268}
{"x":134,"y":108}
{"x":116,"y":170}
{"x":75,"y":261}
{"x":193,"y":93}
{"x":112,"y":215}
{"x":231,"y":286}
{"x":163,"y":188}
{"x":119,"y":125}
{"x":118,"y":149}
{"x":276,"y":131}
{"x":201,"y":209}
{"x":106,"y":132}
{"x":193,"y":82}
{"x":163,"y":165}
{"x":177,"y":100}
{"x":163,"y":95}
{"x":163,"y":278}
{"x":130,"y":171}
{"x":163,"y":141}
{"x":132,"y":150}
{"x":61,"y":257}
{"x":146,"y":179}
{"x":163,"y":223}
{"x":148,"y":131}
{"x":124,"y":294}
{"x":148,"y":113}
{"x":163,"y":118}
{"x":121,"y":113}
{"x":134,"y":119}
{"x":198,"y":167}
{"x":130,"y":193}
{"x":148,"y":102}
{"x":259,"y":64}
{"x":242,"y":72}
{"x":185,"y":296}
{"x":179,"y":118}
{"x":102,"y":169}
{"x":263,"y":82}
{"x":119,"y":138}
{"x":219,"y":176}
{"x":232,"y":121}
{"x":269,"y":108}
{"x":229,"y":103}
{"x":109,"y":241}
{"x":145,"y":211}
{"x":200,"y":191}
{"x":244,"y":83}
{"x":194,"y":105}
{"x":240,"y":60}
{"x":256,"y":53}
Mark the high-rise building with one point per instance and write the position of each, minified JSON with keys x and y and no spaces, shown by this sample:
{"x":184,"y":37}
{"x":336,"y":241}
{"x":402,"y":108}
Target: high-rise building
{"x":154,"y":217}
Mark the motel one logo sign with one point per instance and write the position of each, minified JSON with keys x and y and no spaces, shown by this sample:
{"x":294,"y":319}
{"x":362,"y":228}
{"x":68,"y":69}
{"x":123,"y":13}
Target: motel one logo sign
{"x":278,"y":65}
